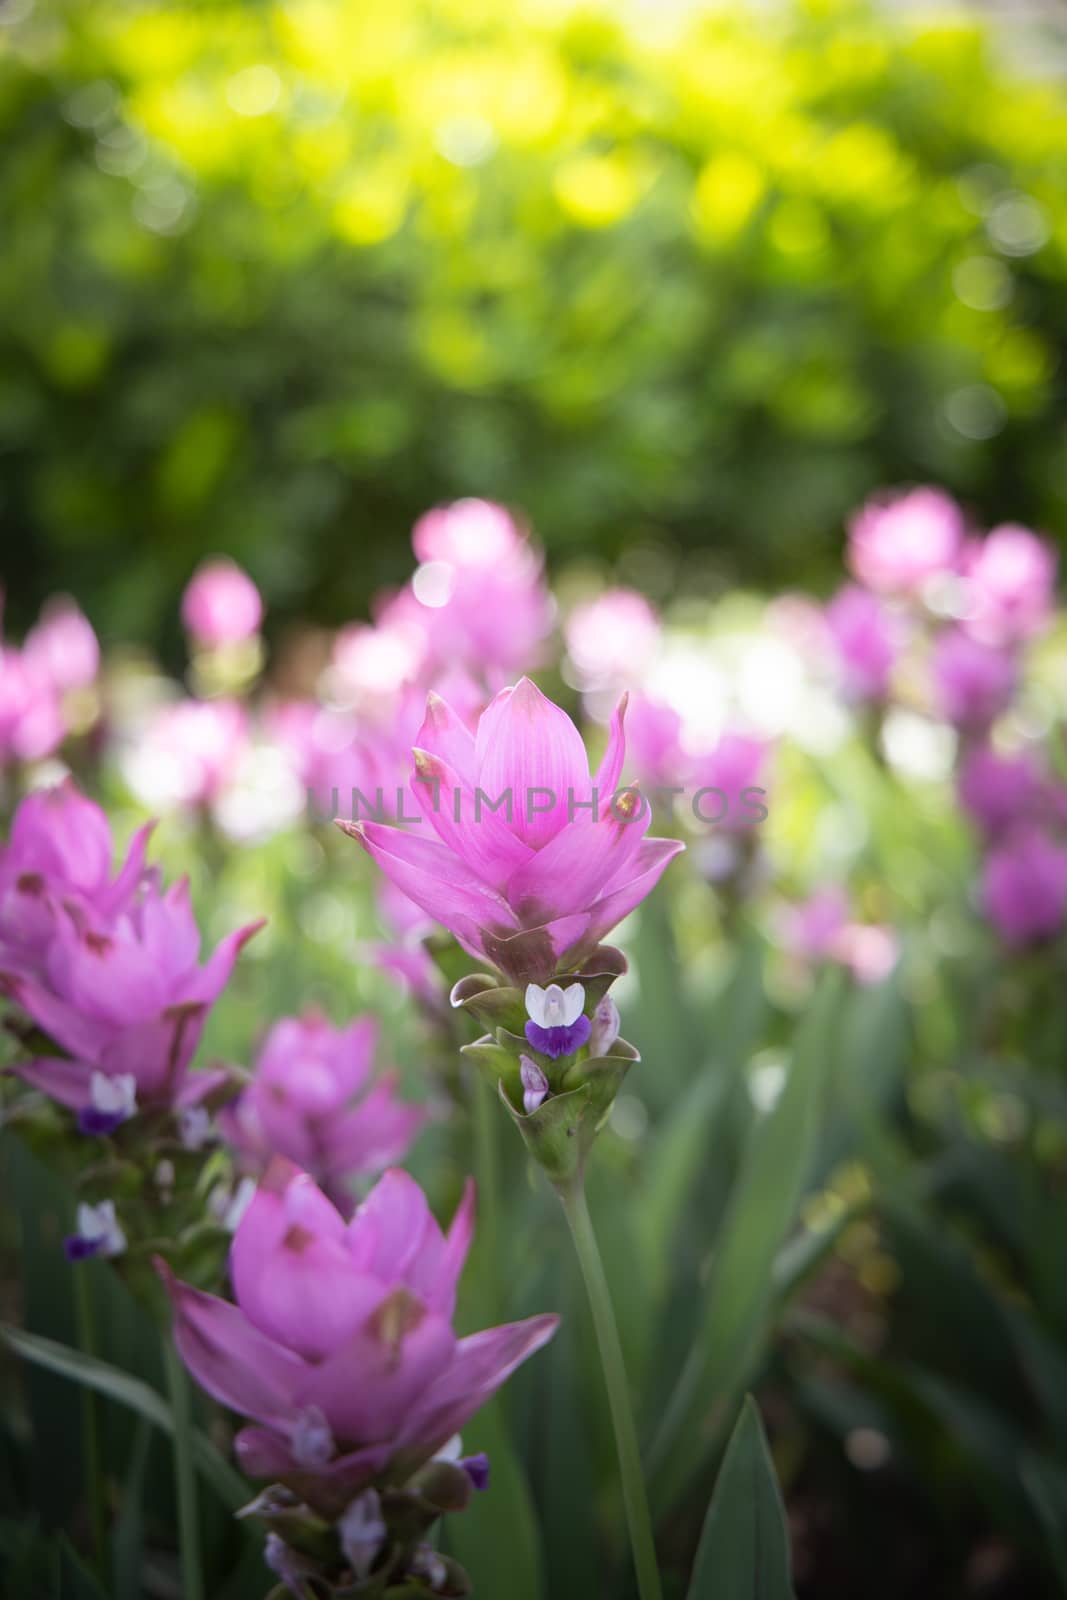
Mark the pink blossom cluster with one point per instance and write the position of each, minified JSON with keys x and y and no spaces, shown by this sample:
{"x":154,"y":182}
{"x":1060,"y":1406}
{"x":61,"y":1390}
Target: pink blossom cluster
{"x":58,"y":656}
{"x":475,"y":612}
{"x":107,"y":968}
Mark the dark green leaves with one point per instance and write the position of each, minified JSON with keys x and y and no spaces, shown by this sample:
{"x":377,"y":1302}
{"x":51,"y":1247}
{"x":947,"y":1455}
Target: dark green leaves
{"x":744,"y":1548}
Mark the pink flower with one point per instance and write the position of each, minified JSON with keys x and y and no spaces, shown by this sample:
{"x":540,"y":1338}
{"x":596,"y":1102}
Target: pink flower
{"x":1024,"y":887}
{"x":340,"y":1347}
{"x":728,"y":782}
{"x":611,"y":640}
{"x":314,"y":1098}
{"x":59,"y":856}
{"x":812,"y":928}
{"x":865,"y":637}
{"x":108,"y":970}
{"x":31,"y":717}
{"x":821,"y":929}
{"x":897,"y":543}
{"x":1011,"y":576}
{"x":998,"y":791}
{"x":534,"y":861}
{"x":653,"y":741}
{"x":189,"y":752}
{"x":62,"y":649}
{"x":973,"y":682}
{"x":479,"y":595}
{"x":221,"y":604}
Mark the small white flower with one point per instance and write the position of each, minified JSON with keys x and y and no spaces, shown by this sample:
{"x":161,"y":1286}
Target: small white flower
{"x":165,"y":1175}
{"x":114,"y":1096}
{"x":194,"y":1127}
{"x":361,"y":1531}
{"x":99,"y":1225}
{"x":554,"y":1007}
{"x":229,"y":1206}
{"x":311,"y":1441}
{"x":534,"y":1084}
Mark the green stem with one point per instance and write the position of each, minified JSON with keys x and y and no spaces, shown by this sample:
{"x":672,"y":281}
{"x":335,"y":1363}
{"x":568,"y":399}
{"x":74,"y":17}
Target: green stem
{"x":607,"y":1334}
{"x":485,"y":1166}
{"x":184,"y":1473}
{"x":91,"y":1457}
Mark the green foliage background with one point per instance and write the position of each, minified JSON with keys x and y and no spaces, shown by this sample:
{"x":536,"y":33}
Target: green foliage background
{"x":278,"y":275}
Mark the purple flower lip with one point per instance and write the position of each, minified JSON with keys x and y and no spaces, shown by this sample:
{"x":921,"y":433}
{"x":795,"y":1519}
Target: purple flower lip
{"x":477,"y":1469}
{"x":561,"y":1041}
{"x":98,"y":1124}
{"x":77,"y":1248}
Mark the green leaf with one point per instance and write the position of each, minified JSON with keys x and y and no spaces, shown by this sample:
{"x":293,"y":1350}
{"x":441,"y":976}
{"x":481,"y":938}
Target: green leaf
{"x":740,"y":1285}
{"x":75,"y":1581}
{"x":127,"y":1391}
{"x":744,"y":1548}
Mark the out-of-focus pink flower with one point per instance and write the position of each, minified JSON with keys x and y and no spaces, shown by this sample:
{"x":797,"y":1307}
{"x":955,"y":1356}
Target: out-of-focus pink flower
{"x":189,"y":752}
{"x":897,"y":543}
{"x":821,"y":929}
{"x":109,"y":971}
{"x":999,"y":791}
{"x":221,"y":605}
{"x":612,"y":640}
{"x":1011,"y":585}
{"x":31,"y":717}
{"x":866,"y":638}
{"x":1024,"y":887}
{"x":63,"y":648}
{"x":375,"y":662}
{"x":654,"y":741}
{"x":534,"y":861}
{"x":315,"y":1098}
{"x":972,"y":682}
{"x":478,"y":595}
{"x":728,"y":782}
{"x":811,"y":928}
{"x":340,"y":1347}
{"x":59,"y":856}
{"x":60,"y":653}
{"x":404,"y":956}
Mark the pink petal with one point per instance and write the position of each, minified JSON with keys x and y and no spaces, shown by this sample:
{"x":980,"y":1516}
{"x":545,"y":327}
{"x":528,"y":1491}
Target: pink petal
{"x":65,"y":1081}
{"x":446,"y":735}
{"x":574,"y":868}
{"x":526,"y":744}
{"x":114,"y":898}
{"x":228,"y":1356}
{"x":440,"y":1294}
{"x":198,"y":1085}
{"x":653,"y":858}
{"x":262,"y":1453}
{"x":480,"y":1365}
{"x":391,"y":1227}
{"x":291,"y":1271}
{"x":79,"y":1034}
{"x":481,"y":838}
{"x":156,"y":1052}
{"x":367,"y":1387}
{"x":610,"y":770}
{"x":434,"y":878}
{"x":210,"y":980}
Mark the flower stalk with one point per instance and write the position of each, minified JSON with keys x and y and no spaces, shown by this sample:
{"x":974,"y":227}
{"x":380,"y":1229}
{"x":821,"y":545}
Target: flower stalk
{"x":639,"y":1521}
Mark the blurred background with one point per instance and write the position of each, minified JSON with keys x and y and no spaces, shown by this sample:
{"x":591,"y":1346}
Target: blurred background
{"x":681,"y":287}
{"x":680,"y":284}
